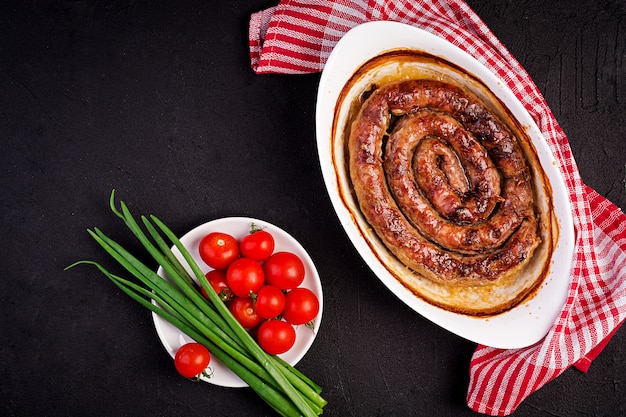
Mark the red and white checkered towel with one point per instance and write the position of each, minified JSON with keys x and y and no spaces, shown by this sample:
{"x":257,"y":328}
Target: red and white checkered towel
{"x":296,"y":37}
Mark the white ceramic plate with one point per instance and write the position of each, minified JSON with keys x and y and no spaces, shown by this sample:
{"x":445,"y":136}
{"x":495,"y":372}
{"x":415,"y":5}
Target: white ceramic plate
{"x":530,"y":320}
{"x":172,"y":338}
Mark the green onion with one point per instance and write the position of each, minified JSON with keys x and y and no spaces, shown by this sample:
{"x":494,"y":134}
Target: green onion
{"x":179,"y":302}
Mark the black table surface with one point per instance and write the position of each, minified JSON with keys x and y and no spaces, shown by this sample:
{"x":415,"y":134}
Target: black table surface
{"x":157,"y":100}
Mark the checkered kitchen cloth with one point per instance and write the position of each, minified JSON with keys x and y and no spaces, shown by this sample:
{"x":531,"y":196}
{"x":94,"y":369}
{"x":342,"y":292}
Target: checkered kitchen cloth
{"x":296,"y":37}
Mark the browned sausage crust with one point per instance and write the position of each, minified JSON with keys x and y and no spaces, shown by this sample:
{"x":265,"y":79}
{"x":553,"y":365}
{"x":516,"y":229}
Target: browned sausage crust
{"x":448,"y":189}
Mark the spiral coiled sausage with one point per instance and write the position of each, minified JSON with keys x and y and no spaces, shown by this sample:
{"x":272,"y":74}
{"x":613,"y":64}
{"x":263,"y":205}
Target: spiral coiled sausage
{"x":443,"y":182}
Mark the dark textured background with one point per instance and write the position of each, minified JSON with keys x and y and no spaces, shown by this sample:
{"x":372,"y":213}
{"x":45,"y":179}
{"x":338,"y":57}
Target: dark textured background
{"x":157,"y":100}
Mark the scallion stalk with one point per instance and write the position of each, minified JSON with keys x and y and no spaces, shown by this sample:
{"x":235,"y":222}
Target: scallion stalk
{"x":178,"y":301}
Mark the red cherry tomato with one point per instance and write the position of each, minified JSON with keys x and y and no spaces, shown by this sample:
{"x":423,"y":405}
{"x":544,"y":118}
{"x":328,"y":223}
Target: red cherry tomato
{"x":244,"y":312}
{"x":258,"y":245}
{"x":270,"y":302}
{"x":276,"y":336}
{"x":284,"y":270}
{"x":217,"y":279}
{"x":191,"y":359}
{"x":218,"y":249}
{"x":301,"y":306}
{"x":244,"y":276}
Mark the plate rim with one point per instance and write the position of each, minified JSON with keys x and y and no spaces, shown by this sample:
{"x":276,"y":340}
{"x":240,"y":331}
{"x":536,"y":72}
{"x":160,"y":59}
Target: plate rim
{"x":312,"y":281}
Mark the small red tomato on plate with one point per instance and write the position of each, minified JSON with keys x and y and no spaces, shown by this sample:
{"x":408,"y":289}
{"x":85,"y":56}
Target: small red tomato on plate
{"x":244,"y":312}
{"x":270,"y":302}
{"x":276,"y":336}
{"x":301,"y":306}
{"x":258,"y":245}
{"x":284,"y":270}
{"x":218,"y":249}
{"x":217,"y":279}
{"x":245,"y":276}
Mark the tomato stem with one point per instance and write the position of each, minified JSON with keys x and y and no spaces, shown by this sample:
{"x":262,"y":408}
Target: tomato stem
{"x":225,"y":295}
{"x":311,"y":325}
{"x":208,"y":373}
{"x":255,"y":228}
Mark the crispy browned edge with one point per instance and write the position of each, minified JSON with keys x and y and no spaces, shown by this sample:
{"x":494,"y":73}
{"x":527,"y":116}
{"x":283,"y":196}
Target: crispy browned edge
{"x":527,"y":145}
